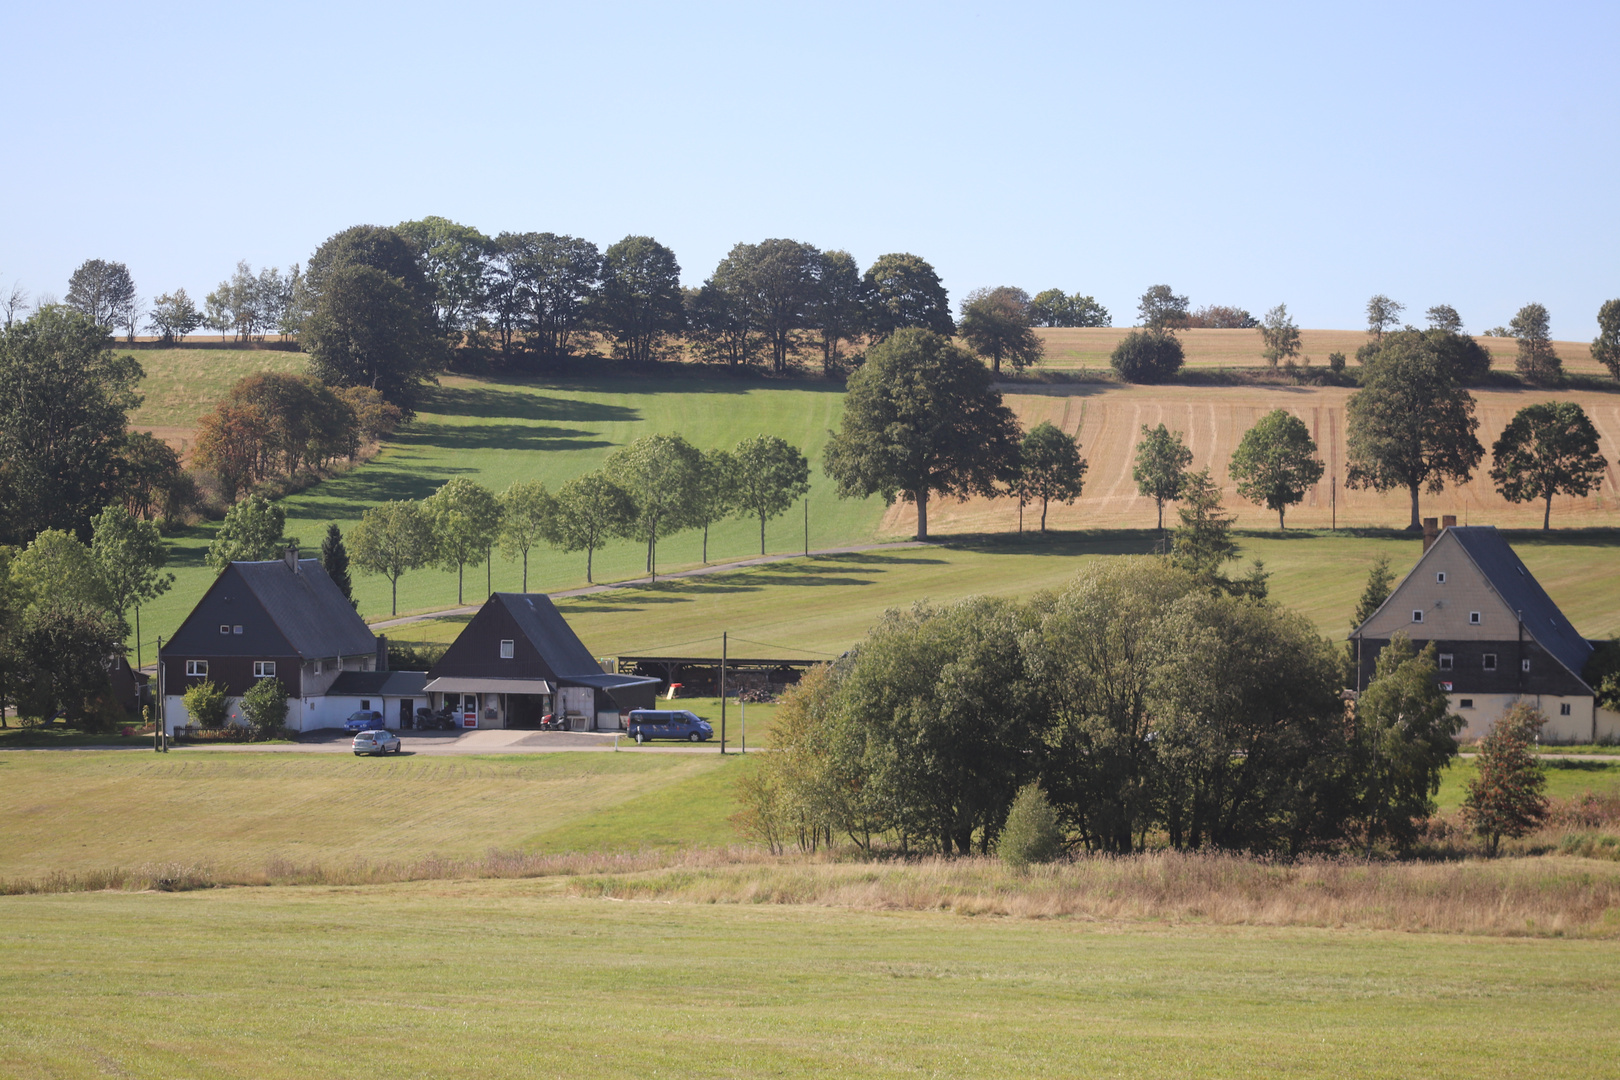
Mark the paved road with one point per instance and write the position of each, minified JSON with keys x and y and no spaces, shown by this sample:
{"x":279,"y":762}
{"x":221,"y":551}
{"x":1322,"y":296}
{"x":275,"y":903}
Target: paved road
{"x":700,"y":571}
{"x":443,"y":743}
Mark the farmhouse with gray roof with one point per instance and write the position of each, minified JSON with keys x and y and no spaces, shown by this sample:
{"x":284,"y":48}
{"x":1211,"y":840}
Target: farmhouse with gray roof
{"x":283,"y":619}
{"x":1499,"y":637}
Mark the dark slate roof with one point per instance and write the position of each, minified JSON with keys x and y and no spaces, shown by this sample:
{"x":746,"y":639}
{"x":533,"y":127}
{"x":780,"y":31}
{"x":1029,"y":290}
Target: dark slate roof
{"x":601,"y":680}
{"x":540,"y":621}
{"x":1524,"y":594}
{"x":378,"y":684}
{"x":308,"y":608}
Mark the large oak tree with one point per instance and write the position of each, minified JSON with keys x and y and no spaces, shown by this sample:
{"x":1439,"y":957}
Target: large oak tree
{"x":1546,"y":450}
{"x":921,"y":418}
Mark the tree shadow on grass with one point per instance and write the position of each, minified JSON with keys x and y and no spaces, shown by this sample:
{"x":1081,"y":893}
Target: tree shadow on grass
{"x":495,"y":402}
{"x":1567,"y":765}
{"x":1068,"y":544}
{"x":509,"y":438}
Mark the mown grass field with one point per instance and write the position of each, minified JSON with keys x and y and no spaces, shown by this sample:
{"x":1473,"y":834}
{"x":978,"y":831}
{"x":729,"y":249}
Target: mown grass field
{"x":504,"y":978}
{"x":237,"y":811}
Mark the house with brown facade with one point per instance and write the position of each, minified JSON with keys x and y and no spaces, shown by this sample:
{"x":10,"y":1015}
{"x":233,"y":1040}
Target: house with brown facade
{"x":1499,"y":638}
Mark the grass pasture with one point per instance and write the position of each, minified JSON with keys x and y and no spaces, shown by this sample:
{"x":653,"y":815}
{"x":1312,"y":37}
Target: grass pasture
{"x":509,"y":978}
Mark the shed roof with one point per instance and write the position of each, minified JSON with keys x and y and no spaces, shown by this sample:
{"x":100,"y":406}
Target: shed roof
{"x":378,"y":683}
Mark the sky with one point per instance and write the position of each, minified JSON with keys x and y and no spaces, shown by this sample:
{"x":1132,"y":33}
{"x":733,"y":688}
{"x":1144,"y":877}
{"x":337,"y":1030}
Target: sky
{"x":1246,"y":154}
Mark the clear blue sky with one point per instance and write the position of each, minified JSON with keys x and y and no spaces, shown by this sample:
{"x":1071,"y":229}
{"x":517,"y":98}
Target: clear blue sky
{"x":1244,"y":154}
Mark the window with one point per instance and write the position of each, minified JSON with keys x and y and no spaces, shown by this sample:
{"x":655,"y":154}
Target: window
{"x":1563,"y":710}
{"x":1445,"y":661}
{"x":1524,"y":665}
{"x":317,"y":667}
{"x":264,"y":669}
{"x":1473,"y":618}
{"x":1417,"y":616}
{"x":1466,"y":703}
{"x":1440,"y":578}
{"x":365,"y":704}
{"x":196,"y":667}
{"x":237,"y":629}
{"x":507,"y":647}
{"x":224,"y":629}
{"x":1490,"y":661}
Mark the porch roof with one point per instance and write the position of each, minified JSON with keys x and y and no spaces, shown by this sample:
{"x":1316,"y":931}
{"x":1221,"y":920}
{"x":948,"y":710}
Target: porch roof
{"x":451,"y":684}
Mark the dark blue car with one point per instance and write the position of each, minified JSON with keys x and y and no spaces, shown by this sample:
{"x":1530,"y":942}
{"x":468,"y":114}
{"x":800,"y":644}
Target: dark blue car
{"x":669,"y":724}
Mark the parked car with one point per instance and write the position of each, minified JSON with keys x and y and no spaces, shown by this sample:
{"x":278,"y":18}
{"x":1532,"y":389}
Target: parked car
{"x":364,"y":720}
{"x":378,"y":742}
{"x":669,"y":724}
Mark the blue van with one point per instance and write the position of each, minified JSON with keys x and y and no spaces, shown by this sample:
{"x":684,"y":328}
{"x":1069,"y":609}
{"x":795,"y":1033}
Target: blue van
{"x":669,"y":724}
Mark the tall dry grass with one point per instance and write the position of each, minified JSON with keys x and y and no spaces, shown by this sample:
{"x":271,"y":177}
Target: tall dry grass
{"x":1540,"y":896}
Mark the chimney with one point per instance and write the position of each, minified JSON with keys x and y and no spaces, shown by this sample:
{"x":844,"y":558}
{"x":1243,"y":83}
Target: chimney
{"x":382,"y":652}
{"x":1448,"y":521}
{"x":1431,"y":532}
{"x":290,"y":557}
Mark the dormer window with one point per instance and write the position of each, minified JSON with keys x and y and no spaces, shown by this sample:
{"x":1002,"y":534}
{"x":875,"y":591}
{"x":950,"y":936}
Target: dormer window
{"x":1440,"y":578}
{"x":508,"y":648}
{"x":1417,"y":616}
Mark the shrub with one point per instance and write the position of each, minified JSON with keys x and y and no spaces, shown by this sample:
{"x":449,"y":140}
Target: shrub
{"x":205,"y":703}
{"x":1336,"y":362}
{"x":265,"y":707}
{"x":1505,"y":797}
{"x":1032,"y":833}
{"x":1147,"y":356}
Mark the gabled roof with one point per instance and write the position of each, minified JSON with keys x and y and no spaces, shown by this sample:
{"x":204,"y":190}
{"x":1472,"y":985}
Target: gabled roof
{"x":300,"y":613}
{"x":539,"y":620}
{"x":1519,"y":589}
{"x":1507,"y":575}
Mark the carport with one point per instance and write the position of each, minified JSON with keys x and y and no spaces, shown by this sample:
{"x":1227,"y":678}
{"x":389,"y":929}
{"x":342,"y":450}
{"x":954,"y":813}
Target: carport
{"x":495,"y":703}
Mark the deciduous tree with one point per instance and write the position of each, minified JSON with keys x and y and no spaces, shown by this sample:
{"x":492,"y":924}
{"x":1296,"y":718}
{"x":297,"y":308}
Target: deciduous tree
{"x":1275,"y":463}
{"x":1546,"y":450}
{"x":1280,"y":335}
{"x":716,"y":495}
{"x":591,"y":509}
{"x":1538,"y":362}
{"x":1382,"y":314}
{"x":1147,"y":356}
{"x":838,"y":312}
{"x":528,"y":517}
{"x":392,"y":539}
{"x":129,"y":558}
{"x":661,"y":474}
{"x":921,"y":418}
{"x":452,"y":257}
{"x":1444,"y":317}
{"x":64,"y":400}
{"x":1505,"y":796}
{"x":102,"y":292}
{"x":1161,"y":309}
{"x":998,"y":325}
{"x":639,"y":303}
{"x":771,"y":475}
{"x":1160,"y":471}
{"x":466,"y":521}
{"x":251,"y":532}
{"x":1411,"y":425}
{"x":905,"y":291}
{"x":1051,"y":467}
{"x":1406,"y":737}
{"x":1606,"y":346}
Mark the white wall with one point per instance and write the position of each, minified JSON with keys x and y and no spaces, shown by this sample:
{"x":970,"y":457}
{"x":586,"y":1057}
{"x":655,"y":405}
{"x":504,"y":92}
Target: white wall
{"x":1488,"y":709}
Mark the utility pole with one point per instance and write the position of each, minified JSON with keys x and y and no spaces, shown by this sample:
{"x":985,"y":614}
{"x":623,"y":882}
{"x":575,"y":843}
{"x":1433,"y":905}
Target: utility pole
{"x":157,"y":728}
{"x":723,"y":635}
{"x":1333,"y":499}
{"x":807,"y":524}
{"x":742,"y":722}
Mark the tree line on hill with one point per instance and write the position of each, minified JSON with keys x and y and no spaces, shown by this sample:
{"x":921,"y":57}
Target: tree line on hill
{"x":1137,"y":706}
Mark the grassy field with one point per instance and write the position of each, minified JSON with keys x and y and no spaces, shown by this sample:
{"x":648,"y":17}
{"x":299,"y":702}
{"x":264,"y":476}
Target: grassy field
{"x":238,"y":811}
{"x":184,"y":384}
{"x":1068,"y":348}
{"x":820,"y":606}
{"x":503,"y":978}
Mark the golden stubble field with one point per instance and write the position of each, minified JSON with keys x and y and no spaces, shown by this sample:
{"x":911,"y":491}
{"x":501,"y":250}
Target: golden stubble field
{"x":1212,"y":419}
{"x":1088,"y":347}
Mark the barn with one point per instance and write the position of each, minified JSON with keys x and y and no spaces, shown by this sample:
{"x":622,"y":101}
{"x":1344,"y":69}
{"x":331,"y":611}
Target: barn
{"x":519,"y":660}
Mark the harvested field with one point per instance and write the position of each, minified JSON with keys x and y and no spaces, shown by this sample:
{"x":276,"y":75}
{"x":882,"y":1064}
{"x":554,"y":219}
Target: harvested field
{"x":1068,"y":348}
{"x":1108,"y":421}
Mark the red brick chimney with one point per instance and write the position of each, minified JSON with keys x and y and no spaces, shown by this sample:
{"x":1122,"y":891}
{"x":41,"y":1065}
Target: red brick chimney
{"x":1448,"y":521}
{"x":1431,"y":532}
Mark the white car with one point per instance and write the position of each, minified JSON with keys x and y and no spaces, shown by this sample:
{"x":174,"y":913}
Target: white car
{"x":376,"y":742}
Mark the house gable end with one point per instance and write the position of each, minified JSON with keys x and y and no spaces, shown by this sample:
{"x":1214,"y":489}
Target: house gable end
{"x":231,"y":603}
{"x":476,"y":651}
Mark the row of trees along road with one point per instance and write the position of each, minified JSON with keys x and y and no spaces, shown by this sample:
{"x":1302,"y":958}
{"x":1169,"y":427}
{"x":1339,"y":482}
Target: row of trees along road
{"x":654,"y":488}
